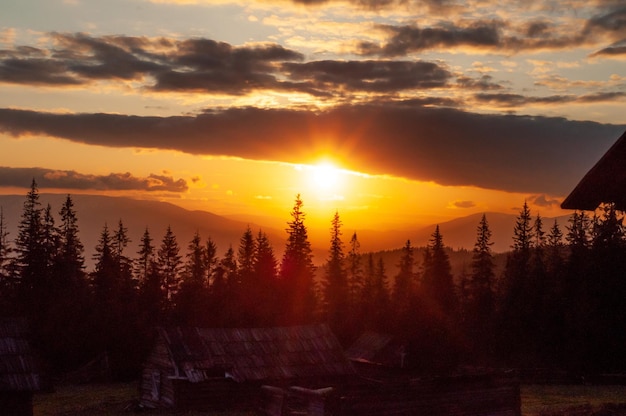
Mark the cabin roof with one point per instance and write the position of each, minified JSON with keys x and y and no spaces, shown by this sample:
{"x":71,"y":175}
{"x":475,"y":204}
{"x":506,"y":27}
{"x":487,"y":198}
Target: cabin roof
{"x":255,"y":354}
{"x":604,"y":183}
{"x":18,"y":369}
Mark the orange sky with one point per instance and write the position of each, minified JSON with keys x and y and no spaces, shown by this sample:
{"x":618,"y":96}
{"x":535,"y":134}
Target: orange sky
{"x":427,"y":110}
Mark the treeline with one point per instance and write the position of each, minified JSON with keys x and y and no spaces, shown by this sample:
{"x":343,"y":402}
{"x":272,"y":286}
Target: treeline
{"x":559,"y":302}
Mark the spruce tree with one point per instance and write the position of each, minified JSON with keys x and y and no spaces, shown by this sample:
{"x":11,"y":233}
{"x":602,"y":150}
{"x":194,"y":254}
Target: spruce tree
{"x":480,"y":296}
{"x":297,"y":271}
{"x":30,"y":262}
{"x":517,"y":317}
{"x":437,"y":280}
{"x":191,"y":299}
{"x":247,"y":296}
{"x":404,"y":285}
{"x":170,"y":263}
{"x":265,"y":272}
{"x":71,"y":250}
{"x":152,"y":296}
{"x":7,"y":289}
{"x":355,"y":277}
{"x":336,"y":281}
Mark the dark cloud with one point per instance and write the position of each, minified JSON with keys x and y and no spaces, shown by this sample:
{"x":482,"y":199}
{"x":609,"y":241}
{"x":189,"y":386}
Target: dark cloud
{"x":68,"y":179}
{"x":448,"y":146}
{"x":544,"y":201}
{"x":611,"y":20}
{"x":464,"y":204}
{"x":488,"y":35}
{"x":376,"y":76}
{"x":411,"y":38}
{"x":485,"y":82}
{"x":602,"y":96}
{"x":617,"y":49}
{"x":515,"y":100}
{"x":204,"y":65}
{"x":378,"y":4}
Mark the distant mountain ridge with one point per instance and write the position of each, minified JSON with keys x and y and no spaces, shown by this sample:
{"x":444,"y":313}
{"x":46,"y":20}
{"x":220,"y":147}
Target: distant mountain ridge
{"x":93,"y":211}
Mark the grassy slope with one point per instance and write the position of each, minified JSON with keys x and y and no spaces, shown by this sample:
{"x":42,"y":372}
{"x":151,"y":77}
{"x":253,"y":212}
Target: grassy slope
{"x":113,"y":400}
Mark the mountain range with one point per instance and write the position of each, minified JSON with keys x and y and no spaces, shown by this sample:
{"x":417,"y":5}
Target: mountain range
{"x":95,"y":211}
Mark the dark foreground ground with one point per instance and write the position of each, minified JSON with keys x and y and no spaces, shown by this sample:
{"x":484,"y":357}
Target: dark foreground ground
{"x":117,"y":399}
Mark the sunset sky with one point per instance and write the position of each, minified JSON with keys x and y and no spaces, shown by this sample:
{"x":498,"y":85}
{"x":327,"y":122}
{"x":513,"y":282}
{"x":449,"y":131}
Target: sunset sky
{"x":392,"y":112}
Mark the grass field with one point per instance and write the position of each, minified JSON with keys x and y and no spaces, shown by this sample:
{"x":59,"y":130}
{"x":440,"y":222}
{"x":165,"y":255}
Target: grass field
{"x":117,"y":399}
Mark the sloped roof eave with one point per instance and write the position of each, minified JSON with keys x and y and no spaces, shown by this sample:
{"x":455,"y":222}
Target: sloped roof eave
{"x":604,"y":183}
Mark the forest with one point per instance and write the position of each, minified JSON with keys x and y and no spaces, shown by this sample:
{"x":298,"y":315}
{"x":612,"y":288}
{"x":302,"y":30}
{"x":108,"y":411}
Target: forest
{"x":559,"y":302}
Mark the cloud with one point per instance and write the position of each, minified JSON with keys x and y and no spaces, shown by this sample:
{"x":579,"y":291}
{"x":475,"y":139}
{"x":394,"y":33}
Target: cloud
{"x":377,"y":76}
{"x":608,"y":23}
{"x":209,"y":66}
{"x":544,"y":201}
{"x":464,"y":204}
{"x":516,"y":100}
{"x":447,"y":146}
{"x":66,"y":179}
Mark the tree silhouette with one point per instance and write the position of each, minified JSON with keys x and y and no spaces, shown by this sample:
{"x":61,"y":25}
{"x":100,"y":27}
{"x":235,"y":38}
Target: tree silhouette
{"x":265,"y":272}
{"x":30,"y":262}
{"x":170,"y":264}
{"x":336,"y":307}
{"x":404,"y":284}
{"x":437,"y":281}
{"x":480,"y":296}
{"x":297,"y":271}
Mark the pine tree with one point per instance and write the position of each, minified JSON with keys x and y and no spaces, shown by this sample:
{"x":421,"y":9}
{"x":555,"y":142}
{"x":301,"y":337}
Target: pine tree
{"x":336,"y":280}
{"x":265,"y":272}
{"x":124,"y":263}
{"x":50,"y":242}
{"x":71,"y":258}
{"x":480,"y":296}
{"x":437,"y":281}
{"x":7,"y":289}
{"x":355,"y":276}
{"x":195,"y":265}
{"x":104,"y":276}
{"x":191,"y":299}
{"x":374,"y":306}
{"x":404,"y":285}
{"x":170,"y":264}
{"x":152,"y":294}
{"x":146,"y":258}
{"x":30,"y":262}
{"x":247,"y":296}
{"x":297,"y":270}
{"x":211,"y":260}
{"x":265,"y":263}
{"x":518,"y":313}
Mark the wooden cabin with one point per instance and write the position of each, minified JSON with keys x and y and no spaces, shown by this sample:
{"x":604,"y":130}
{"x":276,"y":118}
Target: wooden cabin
{"x":604,"y":183}
{"x":219,"y":368}
{"x":19,"y":373}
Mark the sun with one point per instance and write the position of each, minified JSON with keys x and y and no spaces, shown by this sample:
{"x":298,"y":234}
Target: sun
{"x":325,"y":177}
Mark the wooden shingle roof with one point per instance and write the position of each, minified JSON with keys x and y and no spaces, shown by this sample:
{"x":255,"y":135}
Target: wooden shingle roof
{"x":18,"y":367}
{"x":604,"y":183}
{"x":256,"y":354}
